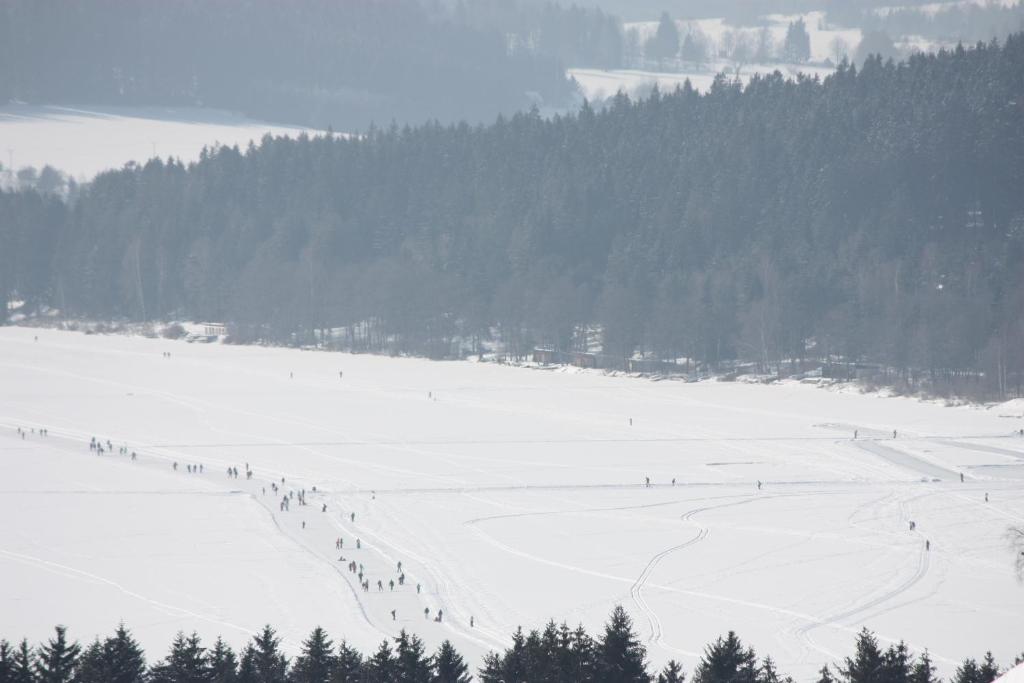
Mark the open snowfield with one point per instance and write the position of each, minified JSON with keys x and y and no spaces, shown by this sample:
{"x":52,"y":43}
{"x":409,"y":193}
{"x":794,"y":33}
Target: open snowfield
{"x":83,"y":141}
{"x":511,"y":495}
{"x":599,"y":84}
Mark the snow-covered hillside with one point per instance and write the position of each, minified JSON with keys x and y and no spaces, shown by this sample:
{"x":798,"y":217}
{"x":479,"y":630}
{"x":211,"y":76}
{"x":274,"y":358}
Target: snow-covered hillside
{"x":827,"y":44}
{"x":83,"y":141}
{"x":510,"y":495}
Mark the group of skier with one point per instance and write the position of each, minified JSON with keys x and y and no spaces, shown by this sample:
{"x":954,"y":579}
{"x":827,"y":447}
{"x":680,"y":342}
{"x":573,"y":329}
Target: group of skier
{"x":42,"y":432}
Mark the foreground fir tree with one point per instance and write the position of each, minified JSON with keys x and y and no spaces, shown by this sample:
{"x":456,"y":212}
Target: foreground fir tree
{"x":491,"y":671}
{"x":348,"y":665}
{"x":866,"y":664}
{"x":672,"y":673}
{"x":92,"y":665}
{"x":222,"y":663}
{"x":449,"y":667}
{"x":56,"y":661}
{"x":825,"y":675}
{"x":768,"y":673}
{"x":989,"y":670}
{"x":24,"y":666}
{"x":123,"y":658}
{"x":620,"y":656}
{"x":186,"y":663}
{"x":727,"y":661}
{"x":262,"y":661}
{"x":6,"y":662}
{"x":411,"y":663}
{"x":971,"y":672}
{"x":380,"y":668}
{"x":923,"y":670}
{"x":316,"y":662}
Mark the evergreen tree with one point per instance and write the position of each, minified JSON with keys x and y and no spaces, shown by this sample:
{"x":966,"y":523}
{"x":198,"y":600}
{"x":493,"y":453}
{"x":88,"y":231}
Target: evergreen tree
{"x":769,"y":674}
{"x":896,"y":664}
{"x":57,"y":659}
{"x":663,"y":46}
{"x":492,"y":669}
{"x":23,"y":668}
{"x":93,"y":665}
{"x":583,"y":655}
{"x":124,"y":659}
{"x":825,"y":675}
{"x":267,"y":662}
{"x":449,"y":667}
{"x":923,"y":670}
{"x":381,"y":667}
{"x":989,"y":670}
{"x":6,"y":662}
{"x":411,"y":663}
{"x":316,"y":662}
{"x":727,"y":661}
{"x":186,"y":662}
{"x":797,"y":46}
{"x":348,"y":666}
{"x":967,"y":672}
{"x":222,"y":663}
{"x":620,"y":655}
{"x":672,"y":673}
{"x":247,"y":670}
{"x":867,"y":662}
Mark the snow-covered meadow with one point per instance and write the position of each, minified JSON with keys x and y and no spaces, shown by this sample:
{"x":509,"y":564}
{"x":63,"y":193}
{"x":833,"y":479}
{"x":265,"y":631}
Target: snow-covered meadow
{"x":598,"y":84}
{"x":83,"y":141}
{"x":510,"y":495}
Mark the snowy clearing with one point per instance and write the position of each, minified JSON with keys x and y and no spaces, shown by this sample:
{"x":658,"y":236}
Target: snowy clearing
{"x":511,"y":495}
{"x":83,"y":141}
{"x":599,"y":84}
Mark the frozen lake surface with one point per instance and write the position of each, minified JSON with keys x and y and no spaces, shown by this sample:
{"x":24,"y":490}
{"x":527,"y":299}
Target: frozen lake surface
{"x":510,"y":495}
{"x":83,"y":141}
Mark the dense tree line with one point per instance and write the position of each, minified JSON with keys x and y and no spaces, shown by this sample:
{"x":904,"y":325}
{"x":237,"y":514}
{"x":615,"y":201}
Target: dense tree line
{"x":875,"y":216}
{"x":958,"y":21}
{"x":574,"y":35}
{"x":321,"y":62}
{"x":555,"y":654}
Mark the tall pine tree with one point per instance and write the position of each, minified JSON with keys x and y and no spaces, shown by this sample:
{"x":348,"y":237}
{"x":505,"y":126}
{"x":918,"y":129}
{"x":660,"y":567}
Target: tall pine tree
{"x":449,"y":667}
{"x":621,"y":658}
{"x":57,"y":659}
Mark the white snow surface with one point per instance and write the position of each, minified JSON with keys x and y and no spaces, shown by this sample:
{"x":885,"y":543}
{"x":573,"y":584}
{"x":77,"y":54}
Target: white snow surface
{"x":511,"y":495}
{"x":599,"y":84}
{"x":83,"y":141}
{"x":1014,"y":675}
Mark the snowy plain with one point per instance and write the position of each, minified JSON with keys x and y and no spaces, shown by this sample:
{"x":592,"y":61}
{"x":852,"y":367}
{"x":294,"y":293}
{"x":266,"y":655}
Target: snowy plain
{"x":83,"y":141}
{"x":510,"y":495}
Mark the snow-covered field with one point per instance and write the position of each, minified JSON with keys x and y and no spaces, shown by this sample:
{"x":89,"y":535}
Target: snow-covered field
{"x":599,"y":84}
{"x":510,"y":495}
{"x":82,"y":141}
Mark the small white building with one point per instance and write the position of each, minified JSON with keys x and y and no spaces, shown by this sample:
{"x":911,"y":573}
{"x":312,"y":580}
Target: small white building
{"x":214,"y":329}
